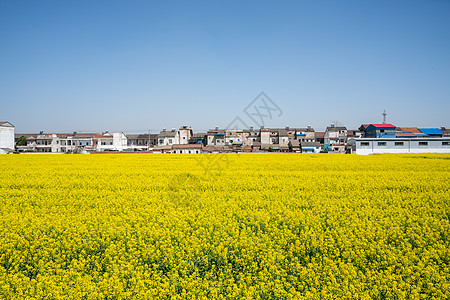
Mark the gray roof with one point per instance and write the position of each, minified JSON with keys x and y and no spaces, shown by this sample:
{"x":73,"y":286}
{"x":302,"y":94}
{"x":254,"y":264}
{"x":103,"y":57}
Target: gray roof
{"x":142,"y":136}
{"x":167,"y":134}
{"x":333,"y":129}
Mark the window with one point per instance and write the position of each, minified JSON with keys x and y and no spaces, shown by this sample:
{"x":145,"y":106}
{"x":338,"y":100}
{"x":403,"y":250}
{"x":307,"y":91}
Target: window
{"x":398,"y":143}
{"x":423,"y":143}
{"x":364,"y":143}
{"x":445,"y":143}
{"x":381,"y":143}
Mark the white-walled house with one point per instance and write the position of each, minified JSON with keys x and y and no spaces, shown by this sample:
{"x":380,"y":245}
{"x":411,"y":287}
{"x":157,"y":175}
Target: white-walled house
{"x":47,"y":142}
{"x":6,"y":137}
{"x":187,"y":149}
{"x":119,"y":141}
{"x":166,"y":138}
{"x":183,"y":135}
{"x":105,"y":142}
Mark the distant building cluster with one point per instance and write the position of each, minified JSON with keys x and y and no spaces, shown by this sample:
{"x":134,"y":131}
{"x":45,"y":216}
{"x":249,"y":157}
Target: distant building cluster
{"x":367,"y":139}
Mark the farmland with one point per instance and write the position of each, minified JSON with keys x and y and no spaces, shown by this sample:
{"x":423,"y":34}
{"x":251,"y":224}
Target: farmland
{"x":225,"y":226}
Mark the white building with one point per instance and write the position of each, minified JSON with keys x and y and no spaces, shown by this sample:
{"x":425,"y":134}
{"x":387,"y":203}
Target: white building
{"x":401,"y":145}
{"x":166,"y":138}
{"x":119,"y":141}
{"x":111,"y":142}
{"x":6,"y":137}
{"x":47,"y":142}
{"x":105,"y":142}
{"x":310,"y":147}
{"x":183,"y":135}
{"x":190,"y":149}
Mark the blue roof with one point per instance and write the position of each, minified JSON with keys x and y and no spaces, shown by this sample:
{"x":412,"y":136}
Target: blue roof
{"x":431,"y":131}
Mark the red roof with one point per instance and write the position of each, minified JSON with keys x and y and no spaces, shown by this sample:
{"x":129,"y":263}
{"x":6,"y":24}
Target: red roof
{"x":383,"y":125}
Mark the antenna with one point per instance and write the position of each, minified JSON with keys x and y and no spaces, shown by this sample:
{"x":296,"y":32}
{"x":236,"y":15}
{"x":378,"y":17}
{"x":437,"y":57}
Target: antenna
{"x":384,"y":116}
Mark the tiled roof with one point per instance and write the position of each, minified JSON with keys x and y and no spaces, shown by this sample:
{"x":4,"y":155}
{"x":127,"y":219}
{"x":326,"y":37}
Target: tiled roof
{"x":164,"y":147}
{"x":167,"y":134}
{"x":320,"y":134}
{"x":189,"y":146}
{"x":406,"y":134}
{"x":410,"y":129}
{"x":210,"y":148}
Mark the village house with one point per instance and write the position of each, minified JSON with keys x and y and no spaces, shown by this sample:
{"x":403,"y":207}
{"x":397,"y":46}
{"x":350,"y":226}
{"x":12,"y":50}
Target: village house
{"x":198,"y":138}
{"x":335,"y":139}
{"x":305,"y":134}
{"x":183,"y":135}
{"x":6,"y":137}
{"x":141,"y":142}
{"x":251,"y":136}
{"x":310,"y":147}
{"x":166,"y":138}
{"x":274,"y":139}
{"x":215,"y":137}
{"x":162,"y":149}
{"x":210,"y":149}
{"x":380,"y":131}
{"x":234,"y":139}
{"x":319,"y":137}
{"x":351,"y":136}
{"x":47,"y":142}
{"x":187,"y":149}
{"x":105,"y":142}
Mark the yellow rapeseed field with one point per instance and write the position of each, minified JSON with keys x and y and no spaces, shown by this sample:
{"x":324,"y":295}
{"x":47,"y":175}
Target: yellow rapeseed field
{"x":225,"y":226}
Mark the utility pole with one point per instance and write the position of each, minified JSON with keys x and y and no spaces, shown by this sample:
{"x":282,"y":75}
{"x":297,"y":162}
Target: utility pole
{"x":384,"y":116}
{"x":148,"y":143}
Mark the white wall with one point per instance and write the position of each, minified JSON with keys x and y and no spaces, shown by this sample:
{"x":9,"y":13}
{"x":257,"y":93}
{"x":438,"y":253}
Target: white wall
{"x":434,"y":145}
{"x":119,"y":141}
{"x":6,"y":138}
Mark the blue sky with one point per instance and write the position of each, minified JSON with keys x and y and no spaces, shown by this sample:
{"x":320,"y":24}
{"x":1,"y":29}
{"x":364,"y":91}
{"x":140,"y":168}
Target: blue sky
{"x":143,"y":65}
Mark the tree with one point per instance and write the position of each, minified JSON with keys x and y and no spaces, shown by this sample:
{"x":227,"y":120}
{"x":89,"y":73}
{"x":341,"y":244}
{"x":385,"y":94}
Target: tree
{"x":22,"y":141}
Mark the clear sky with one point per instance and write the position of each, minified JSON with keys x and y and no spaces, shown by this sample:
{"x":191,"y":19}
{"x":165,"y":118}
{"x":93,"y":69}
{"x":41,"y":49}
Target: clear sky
{"x":143,"y":65}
